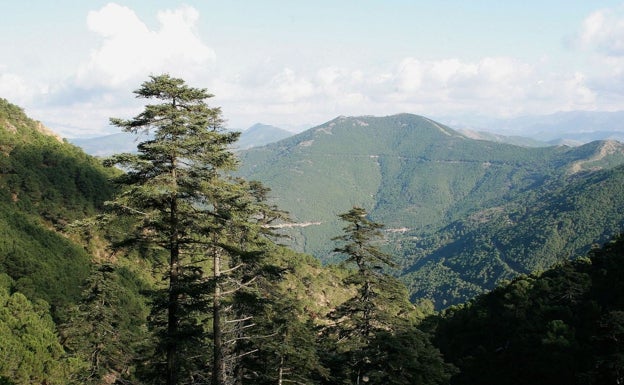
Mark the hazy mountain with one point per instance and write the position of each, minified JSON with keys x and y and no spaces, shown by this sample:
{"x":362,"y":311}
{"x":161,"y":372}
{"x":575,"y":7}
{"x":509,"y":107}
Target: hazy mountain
{"x":461,"y":214}
{"x":256,"y":135}
{"x":560,"y":127}
{"x":261,"y":134}
{"x":513,"y":139}
{"x":444,"y":197}
{"x":109,"y":144}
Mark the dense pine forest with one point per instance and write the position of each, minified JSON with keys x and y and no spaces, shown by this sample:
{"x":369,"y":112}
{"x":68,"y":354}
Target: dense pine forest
{"x":167,"y":266}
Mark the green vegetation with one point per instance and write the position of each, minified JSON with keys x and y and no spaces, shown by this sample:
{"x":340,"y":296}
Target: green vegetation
{"x":30,"y":351}
{"x":45,"y":184}
{"x":181,"y":278}
{"x":210,"y":227}
{"x":564,"y":326}
{"x":531,"y":232}
{"x":106,"y":327}
{"x":372,"y":334}
{"x":461,"y":214}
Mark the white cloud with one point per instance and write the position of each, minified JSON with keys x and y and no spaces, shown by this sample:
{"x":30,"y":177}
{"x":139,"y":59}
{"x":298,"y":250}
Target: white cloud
{"x":603,"y":30}
{"x":16,"y":89}
{"x":289,"y":87}
{"x":409,"y":74}
{"x":130,"y":51}
{"x":294,"y":92}
{"x":496,"y":86}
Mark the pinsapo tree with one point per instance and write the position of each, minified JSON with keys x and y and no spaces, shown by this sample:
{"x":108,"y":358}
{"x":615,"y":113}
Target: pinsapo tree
{"x":212,"y":227}
{"x":368,"y":328}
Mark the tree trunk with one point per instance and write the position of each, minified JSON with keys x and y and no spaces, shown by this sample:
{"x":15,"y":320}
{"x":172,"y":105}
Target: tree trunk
{"x":280,"y":372}
{"x":174,"y":270}
{"x":172,"y":307}
{"x":218,"y":369}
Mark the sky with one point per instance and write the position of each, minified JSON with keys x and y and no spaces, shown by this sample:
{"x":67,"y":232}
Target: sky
{"x":73,"y":64}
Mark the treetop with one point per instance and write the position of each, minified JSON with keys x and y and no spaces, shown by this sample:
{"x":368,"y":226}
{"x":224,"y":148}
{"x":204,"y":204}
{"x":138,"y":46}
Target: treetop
{"x":165,"y":87}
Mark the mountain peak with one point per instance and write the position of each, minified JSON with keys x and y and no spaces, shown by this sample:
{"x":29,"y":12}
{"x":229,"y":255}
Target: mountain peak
{"x":261,"y":134}
{"x":393,"y":128}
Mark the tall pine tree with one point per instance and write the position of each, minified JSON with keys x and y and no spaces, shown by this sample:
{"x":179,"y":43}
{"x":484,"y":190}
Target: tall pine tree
{"x":211,"y":226}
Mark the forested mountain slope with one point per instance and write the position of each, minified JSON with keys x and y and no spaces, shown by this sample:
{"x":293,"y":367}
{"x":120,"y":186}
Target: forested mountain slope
{"x":44,"y":185}
{"x":79,"y":305}
{"x":440,"y":193}
{"x":564,"y":326}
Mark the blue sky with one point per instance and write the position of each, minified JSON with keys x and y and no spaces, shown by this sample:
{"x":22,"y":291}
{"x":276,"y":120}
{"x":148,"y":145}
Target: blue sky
{"x":73,"y":64}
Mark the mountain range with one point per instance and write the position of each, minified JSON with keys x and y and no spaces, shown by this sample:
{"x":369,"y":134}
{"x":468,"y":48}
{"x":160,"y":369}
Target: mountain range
{"x":257,"y":135}
{"x":564,"y":127}
{"x":572,"y":128}
{"x":461,"y":214}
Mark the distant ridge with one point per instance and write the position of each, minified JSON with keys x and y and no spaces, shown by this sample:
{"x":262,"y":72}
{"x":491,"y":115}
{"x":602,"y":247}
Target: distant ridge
{"x":257,"y":135}
{"x":109,"y":144}
{"x":513,"y":139}
{"x":576,"y":127}
{"x":261,"y":134}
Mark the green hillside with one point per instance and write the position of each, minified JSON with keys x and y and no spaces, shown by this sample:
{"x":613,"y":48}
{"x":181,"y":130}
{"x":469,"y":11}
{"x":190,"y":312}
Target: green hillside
{"x":72,"y":311}
{"x":45,"y":184}
{"x":529,"y":233}
{"x":564,"y":326}
{"x":439,"y":194}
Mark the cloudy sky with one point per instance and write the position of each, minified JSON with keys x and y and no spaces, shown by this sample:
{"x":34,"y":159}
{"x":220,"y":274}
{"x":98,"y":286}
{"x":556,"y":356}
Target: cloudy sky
{"x":73,"y":64}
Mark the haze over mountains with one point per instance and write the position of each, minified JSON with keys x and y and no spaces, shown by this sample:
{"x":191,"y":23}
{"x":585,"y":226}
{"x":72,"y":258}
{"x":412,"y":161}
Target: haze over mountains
{"x":257,"y":135}
{"x":457,"y":203}
{"x":572,"y":128}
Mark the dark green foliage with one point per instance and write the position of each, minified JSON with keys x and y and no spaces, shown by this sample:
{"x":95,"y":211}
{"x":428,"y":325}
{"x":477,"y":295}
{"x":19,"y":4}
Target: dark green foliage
{"x":286,"y":344}
{"x":30,"y":352}
{"x":213,"y":229}
{"x":529,"y":233}
{"x":42,"y":175}
{"x":372,"y":335}
{"x":174,"y":191}
{"x":44,"y":185}
{"x":360,"y":316}
{"x":561,"y":327}
{"x":407,"y":357}
{"x":43,"y":263}
{"x":106,"y":326}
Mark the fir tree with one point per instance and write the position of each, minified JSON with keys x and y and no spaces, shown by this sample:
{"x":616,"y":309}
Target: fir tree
{"x":104,"y":327}
{"x":374,"y":331}
{"x":212,"y":227}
